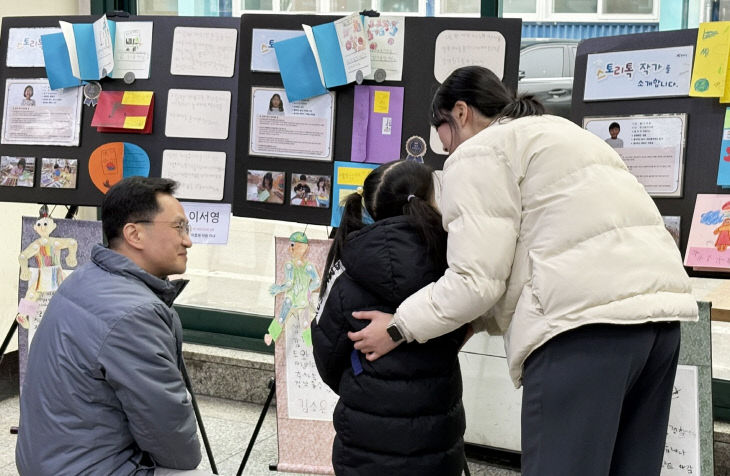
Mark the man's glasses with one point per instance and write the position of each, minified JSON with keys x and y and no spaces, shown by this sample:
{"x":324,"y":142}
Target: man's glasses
{"x":182,"y":227}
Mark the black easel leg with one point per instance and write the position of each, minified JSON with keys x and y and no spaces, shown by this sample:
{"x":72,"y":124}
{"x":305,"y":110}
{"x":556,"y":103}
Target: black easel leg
{"x":466,"y":467}
{"x":200,"y":421}
{"x":4,"y":346}
{"x":272,"y":390}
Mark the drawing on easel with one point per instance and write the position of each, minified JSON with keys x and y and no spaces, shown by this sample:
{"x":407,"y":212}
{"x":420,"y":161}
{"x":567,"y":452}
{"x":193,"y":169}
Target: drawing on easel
{"x":43,"y":279}
{"x":304,"y":403}
{"x":301,"y":280}
{"x":709,"y":234}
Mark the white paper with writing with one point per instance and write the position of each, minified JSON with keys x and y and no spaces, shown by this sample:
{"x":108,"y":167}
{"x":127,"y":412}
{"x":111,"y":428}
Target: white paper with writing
{"x":659,"y":72}
{"x":652,"y":146}
{"x":457,"y":48}
{"x":200,"y":174}
{"x":682,"y":448}
{"x":25,"y":49}
{"x":209,"y":222}
{"x":386,"y":37}
{"x":204,"y":51}
{"x":132,"y":49}
{"x":198,"y":113}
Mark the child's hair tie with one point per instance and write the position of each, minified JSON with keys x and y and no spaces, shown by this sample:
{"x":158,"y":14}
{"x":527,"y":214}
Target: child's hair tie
{"x":410,"y":197}
{"x":359,"y":191}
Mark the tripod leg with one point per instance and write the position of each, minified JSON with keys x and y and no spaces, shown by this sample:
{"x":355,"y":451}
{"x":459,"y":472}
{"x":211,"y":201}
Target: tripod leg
{"x":5,"y":343}
{"x":272,"y":390}
{"x":208,"y":451}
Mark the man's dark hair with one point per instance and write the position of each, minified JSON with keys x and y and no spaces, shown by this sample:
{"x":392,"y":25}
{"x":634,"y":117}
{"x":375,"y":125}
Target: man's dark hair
{"x":614,"y":125}
{"x":130,"y":200}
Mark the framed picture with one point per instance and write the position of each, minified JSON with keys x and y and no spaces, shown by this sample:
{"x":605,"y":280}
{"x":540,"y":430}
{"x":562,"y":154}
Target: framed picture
{"x":59,"y":173}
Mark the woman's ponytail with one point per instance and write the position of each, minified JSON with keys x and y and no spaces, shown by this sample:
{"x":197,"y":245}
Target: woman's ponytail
{"x":521,"y":106}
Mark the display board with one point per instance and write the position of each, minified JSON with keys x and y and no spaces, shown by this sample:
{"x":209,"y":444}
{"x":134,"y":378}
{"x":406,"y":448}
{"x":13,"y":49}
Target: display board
{"x":704,"y":118}
{"x":444,"y":41}
{"x":202,"y":88}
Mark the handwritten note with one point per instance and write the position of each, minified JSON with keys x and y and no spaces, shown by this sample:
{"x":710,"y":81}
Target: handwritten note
{"x":681,"y":450}
{"x":660,"y":72}
{"x":204,"y":51}
{"x":457,"y":48}
{"x":711,"y":58}
{"x":198,"y":113}
{"x":308,"y":397}
{"x":201,"y":174}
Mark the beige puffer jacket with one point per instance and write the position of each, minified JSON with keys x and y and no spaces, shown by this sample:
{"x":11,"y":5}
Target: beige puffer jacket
{"x":548,"y":231}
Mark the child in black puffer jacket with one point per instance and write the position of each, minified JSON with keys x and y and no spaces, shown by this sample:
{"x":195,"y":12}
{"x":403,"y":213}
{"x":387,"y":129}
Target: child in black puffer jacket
{"x":401,"y":414}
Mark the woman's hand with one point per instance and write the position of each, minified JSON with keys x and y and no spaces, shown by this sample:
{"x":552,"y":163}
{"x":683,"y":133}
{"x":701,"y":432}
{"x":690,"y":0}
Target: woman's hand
{"x":373,"y":341}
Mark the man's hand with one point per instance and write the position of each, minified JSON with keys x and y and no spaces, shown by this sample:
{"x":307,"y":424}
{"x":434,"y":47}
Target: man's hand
{"x":373,"y":341}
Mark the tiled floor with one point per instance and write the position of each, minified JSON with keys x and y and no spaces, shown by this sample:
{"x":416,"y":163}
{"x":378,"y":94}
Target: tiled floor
{"x":229,"y":426}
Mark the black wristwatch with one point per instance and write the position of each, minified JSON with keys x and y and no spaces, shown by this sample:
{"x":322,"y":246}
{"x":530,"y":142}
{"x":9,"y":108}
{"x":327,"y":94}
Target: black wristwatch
{"x":395,"y":334}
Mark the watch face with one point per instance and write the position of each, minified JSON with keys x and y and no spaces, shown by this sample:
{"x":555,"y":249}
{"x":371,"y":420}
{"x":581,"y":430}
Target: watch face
{"x":394,"y":333}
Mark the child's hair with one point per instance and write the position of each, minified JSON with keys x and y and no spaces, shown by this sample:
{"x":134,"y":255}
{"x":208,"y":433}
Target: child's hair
{"x":402,"y":187}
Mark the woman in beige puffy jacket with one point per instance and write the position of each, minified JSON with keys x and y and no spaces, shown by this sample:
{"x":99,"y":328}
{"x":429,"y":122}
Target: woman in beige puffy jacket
{"x":555,"y":245}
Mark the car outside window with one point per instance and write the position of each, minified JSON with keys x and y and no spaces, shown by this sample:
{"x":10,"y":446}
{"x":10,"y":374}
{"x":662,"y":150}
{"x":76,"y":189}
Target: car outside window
{"x":543,"y":62}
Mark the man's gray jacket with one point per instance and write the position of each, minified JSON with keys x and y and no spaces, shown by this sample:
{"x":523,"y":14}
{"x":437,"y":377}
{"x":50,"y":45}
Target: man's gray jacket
{"x":103,"y":391}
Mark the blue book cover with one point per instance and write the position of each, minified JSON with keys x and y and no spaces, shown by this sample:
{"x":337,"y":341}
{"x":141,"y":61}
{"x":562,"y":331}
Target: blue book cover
{"x":58,"y":63}
{"x":330,"y":55}
{"x":298,"y":69}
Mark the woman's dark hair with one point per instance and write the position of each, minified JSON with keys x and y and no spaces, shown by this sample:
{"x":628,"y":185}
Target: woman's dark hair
{"x":481,"y":89}
{"x":130,"y":200}
{"x":280,"y":107}
{"x":385,"y":194}
{"x":267,"y":178}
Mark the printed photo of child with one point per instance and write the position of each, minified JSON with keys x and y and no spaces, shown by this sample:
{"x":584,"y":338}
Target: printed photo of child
{"x":310,"y":190}
{"x":265,"y":186}
{"x":17,"y":171}
{"x":59,"y":173}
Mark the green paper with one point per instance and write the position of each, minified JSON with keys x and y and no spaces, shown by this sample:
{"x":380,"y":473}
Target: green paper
{"x":307,"y":336}
{"x":275,"y":330}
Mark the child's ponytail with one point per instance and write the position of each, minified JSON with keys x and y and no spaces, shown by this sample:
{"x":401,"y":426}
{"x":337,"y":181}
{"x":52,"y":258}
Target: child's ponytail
{"x":427,"y":222}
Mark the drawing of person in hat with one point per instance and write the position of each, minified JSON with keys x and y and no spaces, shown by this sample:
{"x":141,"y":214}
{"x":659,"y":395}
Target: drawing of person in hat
{"x":301,"y":279}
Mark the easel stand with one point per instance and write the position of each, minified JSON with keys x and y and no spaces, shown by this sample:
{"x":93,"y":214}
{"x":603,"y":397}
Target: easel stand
{"x":200,"y":420}
{"x":272,"y":391}
{"x":9,"y":336}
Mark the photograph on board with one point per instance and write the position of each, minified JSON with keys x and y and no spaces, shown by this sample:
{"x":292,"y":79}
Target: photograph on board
{"x":17,"y":171}
{"x":265,"y":186}
{"x":309,"y":190}
{"x":59,"y":173}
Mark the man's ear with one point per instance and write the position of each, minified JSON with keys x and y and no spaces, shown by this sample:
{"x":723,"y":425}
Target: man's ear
{"x":134,"y":235}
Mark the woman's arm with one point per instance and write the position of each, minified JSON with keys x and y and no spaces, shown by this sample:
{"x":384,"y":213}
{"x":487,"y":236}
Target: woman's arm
{"x":481,"y":209}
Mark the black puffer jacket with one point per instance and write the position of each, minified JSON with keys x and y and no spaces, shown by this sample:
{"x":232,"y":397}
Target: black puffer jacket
{"x":402,"y":414}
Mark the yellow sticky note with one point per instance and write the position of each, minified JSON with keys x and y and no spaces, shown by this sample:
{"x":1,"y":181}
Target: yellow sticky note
{"x":709,"y":73}
{"x":352,"y":175}
{"x":134,"y":122}
{"x":137,"y":98}
{"x":381,"y":103}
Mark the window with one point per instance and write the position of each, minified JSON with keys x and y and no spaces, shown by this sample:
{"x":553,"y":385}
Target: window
{"x":543,"y":62}
{"x":461,"y":7}
{"x":519,"y":6}
{"x":575,"y":6}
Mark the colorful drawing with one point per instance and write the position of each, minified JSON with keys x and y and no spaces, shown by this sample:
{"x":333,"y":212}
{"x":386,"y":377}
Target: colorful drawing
{"x":709,"y":236}
{"x":301,"y":280}
{"x":44,"y":279}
